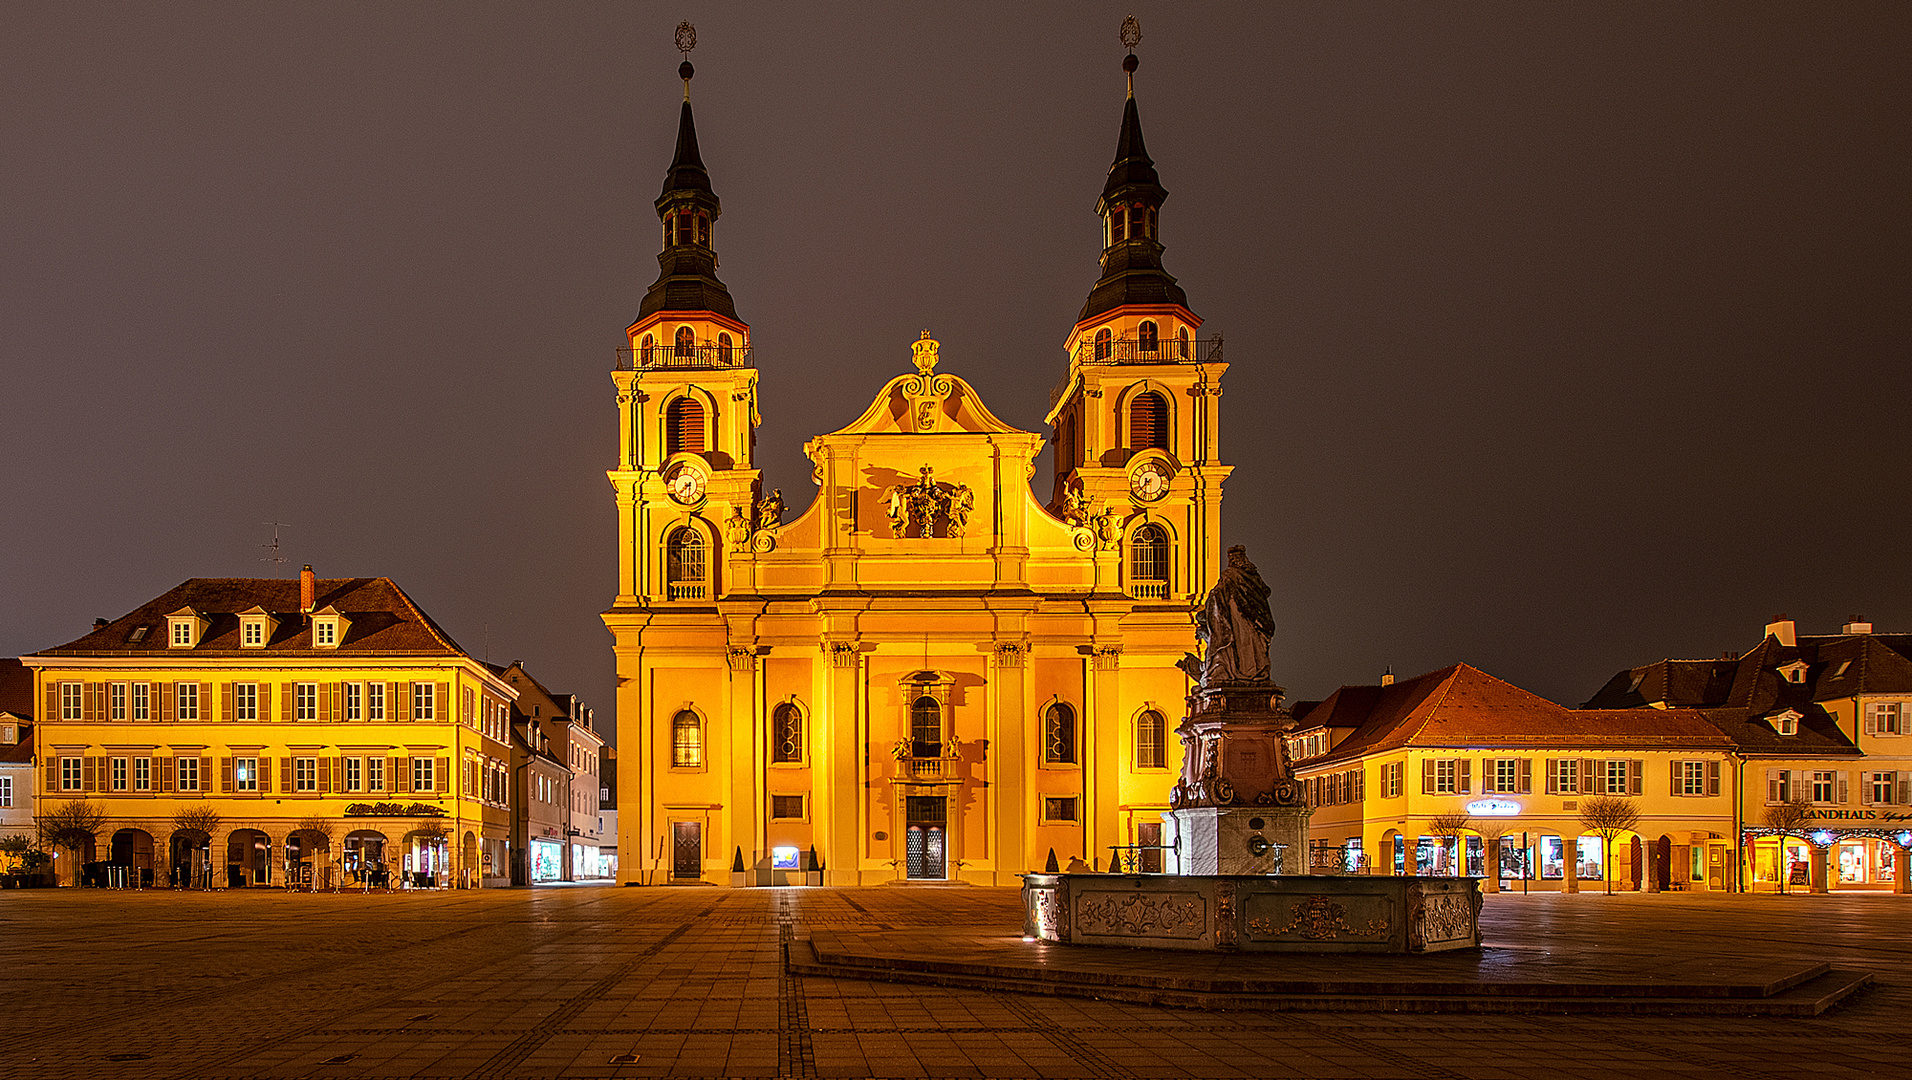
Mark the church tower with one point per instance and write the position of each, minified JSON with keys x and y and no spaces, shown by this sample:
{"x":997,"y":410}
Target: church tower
{"x":1135,"y":421}
{"x":687,"y":403}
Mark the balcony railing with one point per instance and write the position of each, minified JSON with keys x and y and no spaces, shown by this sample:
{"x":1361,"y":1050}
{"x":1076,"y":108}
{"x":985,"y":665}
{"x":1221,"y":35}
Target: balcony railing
{"x":1157,"y":351}
{"x":1148,"y":590}
{"x":683,"y":356}
{"x":686,"y":590}
{"x":924,"y":770}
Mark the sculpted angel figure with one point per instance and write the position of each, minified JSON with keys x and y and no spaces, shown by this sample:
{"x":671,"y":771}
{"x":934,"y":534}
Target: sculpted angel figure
{"x":770,"y":511}
{"x":896,"y":505}
{"x":1234,"y":625}
{"x":961,"y":502}
{"x":1075,"y":507}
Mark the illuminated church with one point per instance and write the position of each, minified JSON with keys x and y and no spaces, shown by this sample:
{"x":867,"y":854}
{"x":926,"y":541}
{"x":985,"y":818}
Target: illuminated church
{"x":930,"y":672}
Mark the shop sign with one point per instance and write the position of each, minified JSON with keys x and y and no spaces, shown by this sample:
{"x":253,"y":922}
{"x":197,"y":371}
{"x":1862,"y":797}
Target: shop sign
{"x":1493,"y":808}
{"x":1861,"y":815}
{"x":392,"y":809}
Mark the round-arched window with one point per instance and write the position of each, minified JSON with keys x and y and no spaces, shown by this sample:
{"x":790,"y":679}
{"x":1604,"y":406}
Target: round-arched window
{"x":686,"y":343}
{"x":685,"y":565}
{"x":1059,"y":735}
{"x":687,"y":740}
{"x":1146,"y":337}
{"x":786,"y":734}
{"x":1104,"y":344}
{"x":926,"y":727}
{"x":1148,"y":563}
{"x":1148,"y":422}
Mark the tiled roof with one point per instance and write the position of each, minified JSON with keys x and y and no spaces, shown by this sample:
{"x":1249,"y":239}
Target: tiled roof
{"x":382,"y":620}
{"x":1462,"y":706}
{"x":1838,"y":666}
{"x":16,"y":688}
{"x":1818,"y":734}
{"x":20,"y":752}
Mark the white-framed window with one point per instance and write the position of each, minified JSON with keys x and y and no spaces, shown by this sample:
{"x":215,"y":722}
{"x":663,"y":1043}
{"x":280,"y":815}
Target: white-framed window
{"x":1824,"y":786}
{"x":188,"y":698}
{"x":1881,"y":786}
{"x":188,"y":773}
{"x":305,"y":774}
{"x":6,"y":792}
{"x":1506,"y":774}
{"x":424,"y":701}
{"x":70,"y":701}
{"x":469,"y":716}
{"x":305,"y":701}
{"x":142,"y":774}
{"x":1614,"y":772}
{"x":245,"y":774}
{"x":1447,"y":776}
{"x":120,"y":778}
{"x":354,"y":701}
{"x":182,"y":633}
{"x":1391,"y":780}
{"x":354,"y":778}
{"x":245,"y":701}
{"x":1566,"y":775}
{"x":375,"y":701}
{"x":1059,"y":809}
{"x":116,"y":701}
{"x":142,"y":701}
{"x":325,"y":633}
{"x":1885,"y":718}
{"x":1786,"y":723}
{"x":423,"y":778}
{"x":253,"y":634}
{"x":375,"y":774}
{"x":1689,"y":778}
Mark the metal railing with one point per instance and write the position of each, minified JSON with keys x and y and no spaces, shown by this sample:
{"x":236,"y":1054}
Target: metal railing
{"x":1132,"y":351}
{"x":1129,"y":858}
{"x":659,"y":357}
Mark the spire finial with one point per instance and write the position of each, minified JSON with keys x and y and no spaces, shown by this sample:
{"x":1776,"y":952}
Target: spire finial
{"x":686,"y":41}
{"x":1131,"y":37}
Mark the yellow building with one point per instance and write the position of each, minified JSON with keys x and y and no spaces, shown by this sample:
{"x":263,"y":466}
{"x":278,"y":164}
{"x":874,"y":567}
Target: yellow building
{"x":237,"y":730}
{"x":927,"y":673}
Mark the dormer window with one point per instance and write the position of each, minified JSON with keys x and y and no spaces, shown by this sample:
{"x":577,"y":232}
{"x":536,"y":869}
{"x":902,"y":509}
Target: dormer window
{"x":1794,"y":672}
{"x":1785,"y":723}
{"x":1841,"y":673}
{"x":139,"y":634}
{"x":253,"y":633}
{"x":9,"y":734}
{"x":184,"y":628}
{"x":325,"y":633}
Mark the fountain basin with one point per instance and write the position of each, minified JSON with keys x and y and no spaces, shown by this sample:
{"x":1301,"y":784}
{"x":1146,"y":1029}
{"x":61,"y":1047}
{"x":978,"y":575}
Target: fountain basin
{"x":1254,"y":912}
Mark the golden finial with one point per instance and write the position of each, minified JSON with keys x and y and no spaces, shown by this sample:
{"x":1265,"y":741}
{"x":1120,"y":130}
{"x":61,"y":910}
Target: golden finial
{"x":686,"y":41}
{"x":1131,"y":37}
{"x":924,"y":353}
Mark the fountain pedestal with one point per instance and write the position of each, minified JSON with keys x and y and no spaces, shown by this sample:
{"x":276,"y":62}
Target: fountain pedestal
{"x":1237,"y":808}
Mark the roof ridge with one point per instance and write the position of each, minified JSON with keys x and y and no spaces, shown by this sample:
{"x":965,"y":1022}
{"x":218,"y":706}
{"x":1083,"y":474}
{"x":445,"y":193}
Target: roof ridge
{"x":426,"y":620}
{"x":1447,"y":688}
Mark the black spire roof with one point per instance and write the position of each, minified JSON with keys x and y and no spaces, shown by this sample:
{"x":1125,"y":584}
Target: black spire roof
{"x":687,"y":269}
{"x":1132,"y":268}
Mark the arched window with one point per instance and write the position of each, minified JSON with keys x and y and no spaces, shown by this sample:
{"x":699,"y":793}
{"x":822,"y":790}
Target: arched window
{"x":1104,"y":344}
{"x":1145,"y":337}
{"x":1148,"y":563}
{"x":1182,"y":337}
{"x":1151,"y":740}
{"x":686,"y":343}
{"x":723,"y":348}
{"x":644,"y":349}
{"x":703,"y":229}
{"x":1059,"y":735}
{"x":1148,"y":422}
{"x":684,"y":426}
{"x":684,"y":565}
{"x":926,"y":727}
{"x":786,"y":734}
{"x":687,"y":741}
{"x":1118,"y":225}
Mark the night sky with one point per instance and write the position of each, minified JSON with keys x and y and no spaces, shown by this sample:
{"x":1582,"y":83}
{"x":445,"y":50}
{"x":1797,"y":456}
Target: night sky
{"x":1565,"y":337}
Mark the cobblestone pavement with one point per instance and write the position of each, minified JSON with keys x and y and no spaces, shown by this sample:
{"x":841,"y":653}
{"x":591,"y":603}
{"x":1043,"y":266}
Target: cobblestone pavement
{"x":617,"y":982}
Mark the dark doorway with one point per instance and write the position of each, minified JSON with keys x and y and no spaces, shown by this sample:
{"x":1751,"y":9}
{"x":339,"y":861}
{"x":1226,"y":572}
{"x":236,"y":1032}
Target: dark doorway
{"x":190,"y":861}
{"x":687,"y":850}
{"x":924,"y":837}
{"x":1148,"y":836}
{"x":246,"y":859}
{"x":133,"y":849}
{"x":1663,"y":863}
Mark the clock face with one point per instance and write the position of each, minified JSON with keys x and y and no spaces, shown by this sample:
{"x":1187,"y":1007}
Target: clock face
{"x":685,"y":484}
{"x":1149,"y":482}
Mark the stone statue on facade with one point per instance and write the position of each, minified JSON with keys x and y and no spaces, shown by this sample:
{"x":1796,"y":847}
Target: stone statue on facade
{"x":770,"y":511}
{"x":1234,"y":625}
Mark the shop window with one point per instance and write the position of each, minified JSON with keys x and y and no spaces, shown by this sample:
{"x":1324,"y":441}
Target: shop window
{"x":1148,"y":422}
{"x":786,"y":734}
{"x":1059,"y":735}
{"x":684,"y":565}
{"x":687,"y":741}
{"x":1151,"y":740}
{"x":1148,"y":563}
{"x":684,"y":426}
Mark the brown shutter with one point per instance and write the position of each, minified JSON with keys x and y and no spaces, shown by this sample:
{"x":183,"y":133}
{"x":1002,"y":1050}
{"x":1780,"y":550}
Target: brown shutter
{"x":205,"y":773}
{"x":89,"y":701}
{"x":401,"y":702}
{"x":1844,"y":792}
{"x":165,"y":773}
{"x":1525,"y":771}
{"x":1872,"y":719}
{"x":1712,"y":778}
{"x":285,"y":776}
{"x":326,"y":690}
{"x":402,"y":774}
{"x":51,"y":783}
{"x":205,"y":701}
{"x":1427,"y":776}
{"x":285,"y":702}
{"x":89,"y":767}
{"x":227,"y":704}
{"x":225,"y":773}
{"x":1590,"y":784}
{"x":441,"y":777}
{"x":324,"y":768}
{"x":444,"y":703}
{"x":52,"y":703}
{"x":1466,"y":768}
{"x":1636,"y":771}
{"x":1553,"y":777}
{"x":265,"y":775}
{"x":166,"y":702}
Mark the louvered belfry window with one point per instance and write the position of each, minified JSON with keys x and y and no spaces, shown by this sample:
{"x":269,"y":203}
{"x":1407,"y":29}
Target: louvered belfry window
{"x":1148,"y":422}
{"x":684,"y":426}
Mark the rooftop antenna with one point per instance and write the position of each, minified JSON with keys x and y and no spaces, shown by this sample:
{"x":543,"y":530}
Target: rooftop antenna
{"x":273,"y":547}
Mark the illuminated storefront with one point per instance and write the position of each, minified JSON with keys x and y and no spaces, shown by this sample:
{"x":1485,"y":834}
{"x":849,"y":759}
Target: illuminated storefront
{"x":1853,"y":858}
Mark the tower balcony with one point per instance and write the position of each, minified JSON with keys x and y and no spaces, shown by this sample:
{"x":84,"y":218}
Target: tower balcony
{"x":660,"y":357}
{"x":1138,"y":351}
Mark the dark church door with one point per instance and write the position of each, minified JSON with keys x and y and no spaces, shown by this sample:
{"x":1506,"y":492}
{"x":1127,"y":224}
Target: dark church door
{"x":687,"y":850}
{"x":924,"y":837}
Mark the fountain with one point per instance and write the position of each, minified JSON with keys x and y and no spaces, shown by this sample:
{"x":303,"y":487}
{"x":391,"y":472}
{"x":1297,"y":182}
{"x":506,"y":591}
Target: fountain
{"x":1234,"y":813}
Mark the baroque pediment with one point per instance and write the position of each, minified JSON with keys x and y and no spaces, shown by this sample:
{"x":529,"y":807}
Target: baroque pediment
{"x":927,"y":402}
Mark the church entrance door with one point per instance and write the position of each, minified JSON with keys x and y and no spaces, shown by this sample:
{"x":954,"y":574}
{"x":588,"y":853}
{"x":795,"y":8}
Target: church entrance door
{"x":925,"y":837}
{"x":687,"y":850}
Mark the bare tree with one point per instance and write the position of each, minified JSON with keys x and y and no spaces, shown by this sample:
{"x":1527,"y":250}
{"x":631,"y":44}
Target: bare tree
{"x":1608,"y":818}
{"x":1787,"y":818}
{"x":321,"y":831}
{"x":1491,"y":830}
{"x":70,"y":825}
{"x":1455,"y":826}
{"x":197,"y":818}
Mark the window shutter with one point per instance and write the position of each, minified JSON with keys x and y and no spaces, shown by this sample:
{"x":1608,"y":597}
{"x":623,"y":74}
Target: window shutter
{"x":1905,"y":788}
{"x":398,"y":705}
{"x":285,"y":776}
{"x":1712,"y":778}
{"x":51,"y":782}
{"x":1772,"y":785}
{"x":443,"y":704}
{"x":1488,"y":769}
{"x":1636,"y":770}
{"x":1872,"y":719}
{"x":165,"y":773}
{"x":1673,"y":771}
{"x":89,"y":701}
{"x":1524,"y":770}
{"x":166,"y":703}
{"x":1553,"y":777}
{"x":285,"y":702}
{"x":1590,"y":782}
{"x":265,"y":775}
{"x":402,"y":774}
{"x":205,"y":773}
{"x":89,"y":773}
{"x":325,"y":775}
{"x":227,"y":704}
{"x":441,"y":776}
{"x":1427,"y":776}
{"x":326,"y":690}
{"x":52,"y":703}
{"x":225,"y":772}
{"x":1465,"y":767}
{"x":205,"y":701}
{"x":1844,"y":791}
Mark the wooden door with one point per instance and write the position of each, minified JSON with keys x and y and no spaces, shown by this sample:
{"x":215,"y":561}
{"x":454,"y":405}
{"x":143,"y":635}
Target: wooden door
{"x":687,"y":850}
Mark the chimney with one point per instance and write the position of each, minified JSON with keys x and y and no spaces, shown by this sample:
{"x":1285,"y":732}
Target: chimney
{"x":100,"y":624}
{"x":308,"y":590}
{"x":1856,"y":625}
{"x":1782,"y":628}
{"x":1387,"y":677}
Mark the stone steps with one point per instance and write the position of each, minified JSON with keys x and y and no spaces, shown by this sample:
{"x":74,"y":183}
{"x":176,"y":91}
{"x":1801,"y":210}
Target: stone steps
{"x":1785,"y":990}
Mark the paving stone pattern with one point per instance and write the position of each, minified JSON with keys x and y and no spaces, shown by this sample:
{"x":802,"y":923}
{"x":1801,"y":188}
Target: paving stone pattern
{"x":618,"y":982}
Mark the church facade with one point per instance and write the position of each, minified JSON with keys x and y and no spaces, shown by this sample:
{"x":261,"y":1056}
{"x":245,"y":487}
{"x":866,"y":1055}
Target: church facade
{"x":928,"y":673}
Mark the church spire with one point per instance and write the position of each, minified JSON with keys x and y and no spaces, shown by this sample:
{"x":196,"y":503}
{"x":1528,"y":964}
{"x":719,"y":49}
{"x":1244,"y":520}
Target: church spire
{"x":688,"y":207}
{"x":1132,"y":270}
